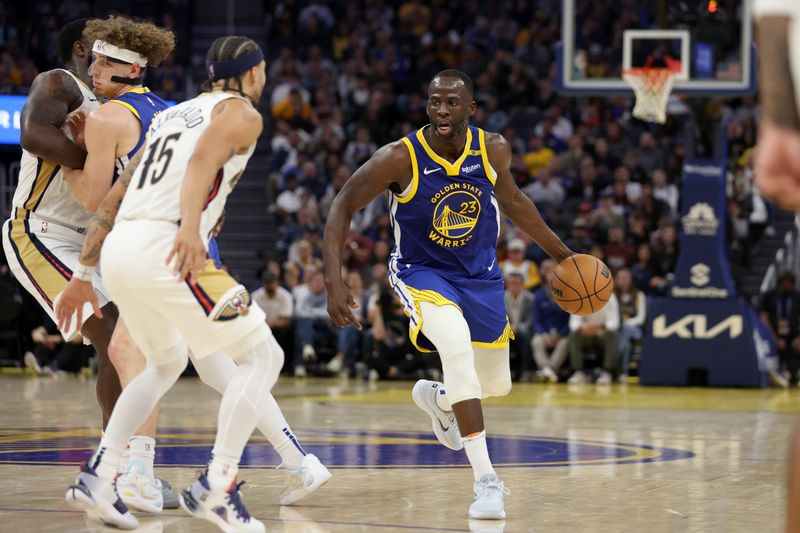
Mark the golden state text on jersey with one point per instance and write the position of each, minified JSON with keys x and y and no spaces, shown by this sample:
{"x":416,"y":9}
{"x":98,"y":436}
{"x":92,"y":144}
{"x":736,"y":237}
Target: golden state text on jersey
{"x":447,"y":217}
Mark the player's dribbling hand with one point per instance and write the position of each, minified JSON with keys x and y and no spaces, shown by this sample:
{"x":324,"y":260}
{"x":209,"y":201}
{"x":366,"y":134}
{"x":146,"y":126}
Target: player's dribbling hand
{"x":71,"y":302}
{"x":189,"y":253}
{"x":777,"y":165}
{"x":340,"y":303}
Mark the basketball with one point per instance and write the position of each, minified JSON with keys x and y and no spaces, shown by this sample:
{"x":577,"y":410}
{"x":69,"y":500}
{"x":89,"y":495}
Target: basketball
{"x":582,"y":284}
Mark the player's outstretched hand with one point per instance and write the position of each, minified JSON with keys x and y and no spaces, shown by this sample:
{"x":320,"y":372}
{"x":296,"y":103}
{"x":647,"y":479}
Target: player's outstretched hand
{"x":340,"y":303}
{"x":777,"y":165}
{"x":189,"y":253}
{"x":72,"y":300}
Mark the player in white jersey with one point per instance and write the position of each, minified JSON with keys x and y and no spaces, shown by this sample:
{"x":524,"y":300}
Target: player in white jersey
{"x":154,"y":265}
{"x":122,"y":50}
{"x":43,"y":237}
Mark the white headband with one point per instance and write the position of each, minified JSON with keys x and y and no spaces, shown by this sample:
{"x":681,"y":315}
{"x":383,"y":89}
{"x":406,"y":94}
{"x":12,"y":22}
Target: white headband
{"x":123,"y":54}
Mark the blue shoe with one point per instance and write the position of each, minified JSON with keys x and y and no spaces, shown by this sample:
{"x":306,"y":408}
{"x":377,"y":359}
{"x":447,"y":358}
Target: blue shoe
{"x":98,"y":498}
{"x":222,"y":508}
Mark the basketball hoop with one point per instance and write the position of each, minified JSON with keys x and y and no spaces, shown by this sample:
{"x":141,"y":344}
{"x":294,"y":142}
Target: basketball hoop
{"x":652,"y":86}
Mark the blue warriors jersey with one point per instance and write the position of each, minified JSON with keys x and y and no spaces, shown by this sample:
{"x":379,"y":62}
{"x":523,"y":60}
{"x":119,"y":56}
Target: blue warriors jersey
{"x":446,"y":225}
{"x":448,"y":217}
{"x":144,"y":105}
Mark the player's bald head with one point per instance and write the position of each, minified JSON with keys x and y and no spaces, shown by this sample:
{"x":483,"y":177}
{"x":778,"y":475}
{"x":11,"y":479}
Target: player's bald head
{"x":452,"y":79}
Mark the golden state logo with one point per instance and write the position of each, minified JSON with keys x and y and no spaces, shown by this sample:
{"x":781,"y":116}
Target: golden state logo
{"x":455,"y":215}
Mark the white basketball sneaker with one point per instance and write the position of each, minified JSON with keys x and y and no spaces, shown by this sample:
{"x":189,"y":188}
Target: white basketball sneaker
{"x":489,"y":493}
{"x":308,"y":477}
{"x":140,"y":492}
{"x":223,"y":508}
{"x":443,"y":422}
{"x":98,"y":498}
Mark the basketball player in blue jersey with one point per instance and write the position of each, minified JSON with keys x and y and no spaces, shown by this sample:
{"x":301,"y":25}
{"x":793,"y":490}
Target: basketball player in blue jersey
{"x":448,"y":183}
{"x":121,"y":50}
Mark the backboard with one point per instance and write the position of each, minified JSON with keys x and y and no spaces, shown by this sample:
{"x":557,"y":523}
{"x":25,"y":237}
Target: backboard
{"x":710,"y":41}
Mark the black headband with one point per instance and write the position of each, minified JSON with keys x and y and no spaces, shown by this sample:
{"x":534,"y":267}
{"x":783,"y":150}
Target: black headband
{"x":231,"y":67}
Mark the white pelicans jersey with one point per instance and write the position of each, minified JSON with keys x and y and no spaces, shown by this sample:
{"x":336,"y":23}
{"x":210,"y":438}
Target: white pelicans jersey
{"x":42,"y":189}
{"x":155,"y":188}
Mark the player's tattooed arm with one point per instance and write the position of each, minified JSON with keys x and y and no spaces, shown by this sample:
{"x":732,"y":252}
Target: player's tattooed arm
{"x":778,"y":97}
{"x":516,"y":205}
{"x":103,"y":220}
{"x":388,"y":169}
{"x":53,"y":95}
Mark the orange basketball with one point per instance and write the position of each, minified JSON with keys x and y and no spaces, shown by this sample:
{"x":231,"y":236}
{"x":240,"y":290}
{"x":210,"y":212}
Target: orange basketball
{"x":582,"y":284}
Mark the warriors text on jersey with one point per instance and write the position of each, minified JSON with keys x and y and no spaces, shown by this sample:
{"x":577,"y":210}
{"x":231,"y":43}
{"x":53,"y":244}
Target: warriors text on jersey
{"x":448,"y":216}
{"x":446,"y":225}
{"x":42,"y":189}
{"x":155,"y":188}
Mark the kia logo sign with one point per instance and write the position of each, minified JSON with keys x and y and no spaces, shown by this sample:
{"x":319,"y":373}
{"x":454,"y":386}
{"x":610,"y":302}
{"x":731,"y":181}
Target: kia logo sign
{"x":696,"y":327}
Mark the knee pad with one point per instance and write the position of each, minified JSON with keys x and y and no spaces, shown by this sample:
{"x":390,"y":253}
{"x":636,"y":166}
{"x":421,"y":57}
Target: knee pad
{"x":494,"y":371}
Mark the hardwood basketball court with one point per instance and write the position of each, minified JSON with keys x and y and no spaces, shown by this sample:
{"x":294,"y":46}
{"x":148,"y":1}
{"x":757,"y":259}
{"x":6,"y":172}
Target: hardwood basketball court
{"x":576,"y":458}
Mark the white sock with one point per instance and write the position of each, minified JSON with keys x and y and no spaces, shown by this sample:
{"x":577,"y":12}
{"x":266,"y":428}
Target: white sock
{"x":105,"y":460}
{"x":222,"y":470}
{"x":216,"y":370}
{"x":142,"y":453}
{"x":478,"y":454}
{"x":441,"y":399}
{"x":273,"y":425}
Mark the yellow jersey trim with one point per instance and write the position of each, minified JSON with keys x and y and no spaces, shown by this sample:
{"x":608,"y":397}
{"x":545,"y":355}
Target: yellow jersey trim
{"x":452,"y":169}
{"x":501,"y":341}
{"x":47,"y":171}
{"x":139,"y":90}
{"x":425,"y":295}
{"x":414,"y":173}
{"x":129,"y":106}
{"x":485,"y":156}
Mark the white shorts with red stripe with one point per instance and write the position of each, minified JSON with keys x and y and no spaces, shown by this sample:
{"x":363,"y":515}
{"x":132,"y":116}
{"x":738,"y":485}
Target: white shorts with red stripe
{"x":210,"y":312}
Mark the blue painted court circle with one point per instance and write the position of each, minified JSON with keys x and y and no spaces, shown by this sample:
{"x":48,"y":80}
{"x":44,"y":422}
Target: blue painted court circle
{"x":342,"y":448}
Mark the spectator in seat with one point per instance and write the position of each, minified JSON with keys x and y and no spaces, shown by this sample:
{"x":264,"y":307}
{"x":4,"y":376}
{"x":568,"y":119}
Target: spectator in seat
{"x":51,"y":354}
{"x":348,"y":339}
{"x":278,"y":305}
{"x":596,"y":331}
{"x":633,"y":308}
{"x":519,"y":304}
{"x":538,"y":156}
{"x":618,"y":252}
{"x":312,"y":324}
{"x":546,"y":191}
{"x":780,"y":310}
{"x":517,"y":264}
{"x":550,"y":329}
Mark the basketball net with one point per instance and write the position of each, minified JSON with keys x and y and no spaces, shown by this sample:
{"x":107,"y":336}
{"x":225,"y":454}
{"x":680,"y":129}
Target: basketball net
{"x":652,"y":86}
